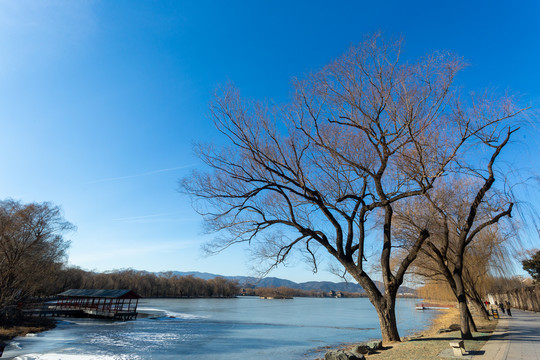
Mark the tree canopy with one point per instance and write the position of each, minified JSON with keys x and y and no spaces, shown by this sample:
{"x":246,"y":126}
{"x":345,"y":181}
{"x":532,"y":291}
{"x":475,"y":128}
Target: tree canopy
{"x":32,"y":248}
{"x":324,"y":171}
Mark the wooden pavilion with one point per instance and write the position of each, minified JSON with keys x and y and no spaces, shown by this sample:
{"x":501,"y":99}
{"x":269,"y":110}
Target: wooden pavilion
{"x":112,"y":304}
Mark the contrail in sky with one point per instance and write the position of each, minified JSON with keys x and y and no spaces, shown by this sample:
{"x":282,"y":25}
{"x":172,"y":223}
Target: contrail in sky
{"x":156,"y":218}
{"x":139,"y":175}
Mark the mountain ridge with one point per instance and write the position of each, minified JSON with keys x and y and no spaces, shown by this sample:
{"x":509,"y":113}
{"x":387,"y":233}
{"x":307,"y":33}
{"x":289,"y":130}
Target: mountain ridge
{"x":250,"y":281}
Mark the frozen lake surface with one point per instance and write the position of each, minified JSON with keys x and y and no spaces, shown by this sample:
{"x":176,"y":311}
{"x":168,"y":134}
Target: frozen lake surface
{"x":245,"y":327}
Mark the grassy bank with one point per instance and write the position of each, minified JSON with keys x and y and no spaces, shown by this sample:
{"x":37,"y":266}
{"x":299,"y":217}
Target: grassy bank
{"x":27,"y":326}
{"x":430,"y":344}
{"x":427,"y":345}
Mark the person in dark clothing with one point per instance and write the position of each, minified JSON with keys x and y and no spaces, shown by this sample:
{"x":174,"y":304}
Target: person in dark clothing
{"x":508,"y":308}
{"x":501,"y":306}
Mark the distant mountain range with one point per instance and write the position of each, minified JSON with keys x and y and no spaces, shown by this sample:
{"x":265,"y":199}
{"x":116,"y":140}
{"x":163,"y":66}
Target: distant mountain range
{"x":249,"y":281}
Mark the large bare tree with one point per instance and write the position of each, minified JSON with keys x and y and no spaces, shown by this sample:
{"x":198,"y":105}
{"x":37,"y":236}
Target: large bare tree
{"x":314,"y":175}
{"x":32,"y":248}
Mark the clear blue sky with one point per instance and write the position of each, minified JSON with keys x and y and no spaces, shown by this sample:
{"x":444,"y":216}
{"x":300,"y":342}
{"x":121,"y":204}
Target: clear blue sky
{"x":100,"y":101}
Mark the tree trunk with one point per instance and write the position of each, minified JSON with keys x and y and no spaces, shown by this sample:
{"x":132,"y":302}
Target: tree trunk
{"x":385,"y":305}
{"x":472,"y":324}
{"x":464,"y":314}
{"x":386,"y":310}
{"x":464,"y":317}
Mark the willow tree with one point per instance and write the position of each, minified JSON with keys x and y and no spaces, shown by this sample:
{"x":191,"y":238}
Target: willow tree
{"x":313,"y":175}
{"x":463,"y":215}
{"x":489,"y":256}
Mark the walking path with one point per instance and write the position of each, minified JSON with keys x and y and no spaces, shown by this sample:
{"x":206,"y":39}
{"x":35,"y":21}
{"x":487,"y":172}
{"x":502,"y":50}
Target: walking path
{"x":516,"y":338}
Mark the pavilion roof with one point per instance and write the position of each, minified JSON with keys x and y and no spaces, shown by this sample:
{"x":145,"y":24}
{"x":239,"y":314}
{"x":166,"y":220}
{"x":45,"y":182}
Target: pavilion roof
{"x":101,"y":293}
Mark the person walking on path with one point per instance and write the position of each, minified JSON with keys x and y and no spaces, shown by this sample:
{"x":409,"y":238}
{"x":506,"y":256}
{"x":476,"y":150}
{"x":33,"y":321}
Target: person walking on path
{"x":501,"y":306}
{"x":508,"y":308}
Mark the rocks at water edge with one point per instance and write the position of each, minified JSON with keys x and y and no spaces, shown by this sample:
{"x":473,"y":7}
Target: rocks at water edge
{"x":374,"y":345}
{"x":367,"y":348}
{"x":356,"y":353}
{"x":361,"y":349}
{"x":342,"y":355}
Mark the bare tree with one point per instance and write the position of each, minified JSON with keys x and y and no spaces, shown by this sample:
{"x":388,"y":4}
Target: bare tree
{"x":359,"y":136}
{"x":489,"y":255}
{"x":459,"y":212}
{"x":32,"y":248}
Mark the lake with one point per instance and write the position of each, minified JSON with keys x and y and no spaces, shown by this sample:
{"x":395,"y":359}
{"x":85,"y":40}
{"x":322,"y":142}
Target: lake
{"x":240,"y":328}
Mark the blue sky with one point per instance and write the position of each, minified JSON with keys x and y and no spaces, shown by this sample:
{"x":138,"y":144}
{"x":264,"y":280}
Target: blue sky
{"x":100,"y":101}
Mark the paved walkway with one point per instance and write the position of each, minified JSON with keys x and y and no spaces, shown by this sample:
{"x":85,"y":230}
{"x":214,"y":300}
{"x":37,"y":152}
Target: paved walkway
{"x":516,"y":338}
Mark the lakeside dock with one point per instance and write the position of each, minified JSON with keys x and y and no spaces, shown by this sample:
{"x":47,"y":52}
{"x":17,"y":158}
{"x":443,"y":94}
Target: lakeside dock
{"x":109,"y":304}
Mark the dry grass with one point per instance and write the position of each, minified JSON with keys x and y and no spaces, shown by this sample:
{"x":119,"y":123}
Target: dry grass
{"x":431,"y":344}
{"x":30,"y":325}
{"x":443,"y":320}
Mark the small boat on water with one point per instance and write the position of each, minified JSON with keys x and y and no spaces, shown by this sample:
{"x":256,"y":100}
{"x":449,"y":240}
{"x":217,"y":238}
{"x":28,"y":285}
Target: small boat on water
{"x":275,"y":297}
{"x":427,"y":306}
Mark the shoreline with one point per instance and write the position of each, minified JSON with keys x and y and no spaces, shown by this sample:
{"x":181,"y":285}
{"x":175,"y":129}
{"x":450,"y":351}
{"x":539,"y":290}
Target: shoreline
{"x":429,"y":343}
{"x":444,"y":318}
{"x":433,"y":345}
{"x":29,"y":325}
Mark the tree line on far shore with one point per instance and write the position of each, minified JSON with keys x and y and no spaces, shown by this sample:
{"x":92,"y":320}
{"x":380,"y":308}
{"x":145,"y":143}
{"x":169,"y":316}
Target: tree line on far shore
{"x":286,"y":292}
{"x":148,"y":284}
{"x":168,"y":284}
